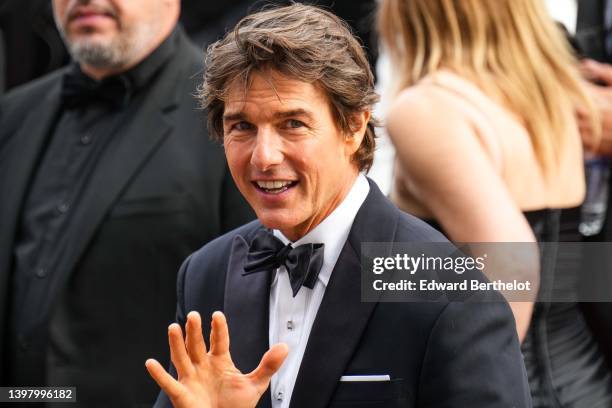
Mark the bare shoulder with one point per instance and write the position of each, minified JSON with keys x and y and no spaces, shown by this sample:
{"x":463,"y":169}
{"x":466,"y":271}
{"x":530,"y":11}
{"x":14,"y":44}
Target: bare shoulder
{"x":426,"y":114}
{"x":447,"y":170}
{"x":426,"y":122}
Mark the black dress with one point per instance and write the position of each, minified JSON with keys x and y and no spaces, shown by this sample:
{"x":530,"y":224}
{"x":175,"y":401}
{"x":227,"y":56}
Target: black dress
{"x":564,"y":364}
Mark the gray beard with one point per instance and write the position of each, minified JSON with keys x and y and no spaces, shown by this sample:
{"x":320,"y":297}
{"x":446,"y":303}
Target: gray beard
{"x":116,"y":53}
{"x":99,"y":55}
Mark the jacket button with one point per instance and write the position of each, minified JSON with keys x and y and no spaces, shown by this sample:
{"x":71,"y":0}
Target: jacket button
{"x":63,"y":208}
{"x":41,"y":273}
{"x":86,"y":139}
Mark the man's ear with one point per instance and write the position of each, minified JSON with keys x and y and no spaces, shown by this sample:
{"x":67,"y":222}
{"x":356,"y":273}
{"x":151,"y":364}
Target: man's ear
{"x":359,"y":124}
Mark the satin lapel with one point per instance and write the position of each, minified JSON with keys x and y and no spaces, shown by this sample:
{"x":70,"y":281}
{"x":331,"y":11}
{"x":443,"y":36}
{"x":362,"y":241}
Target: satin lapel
{"x":246,"y":306}
{"x":129,"y":150}
{"x":342,"y":317}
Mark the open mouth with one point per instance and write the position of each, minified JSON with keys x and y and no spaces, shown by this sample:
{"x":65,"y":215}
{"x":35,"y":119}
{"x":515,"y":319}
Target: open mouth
{"x":274,"y":186}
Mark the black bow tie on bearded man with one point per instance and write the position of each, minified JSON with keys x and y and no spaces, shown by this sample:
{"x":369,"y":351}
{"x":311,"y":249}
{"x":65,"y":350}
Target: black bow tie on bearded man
{"x":79,"y":90}
{"x":303,"y":263}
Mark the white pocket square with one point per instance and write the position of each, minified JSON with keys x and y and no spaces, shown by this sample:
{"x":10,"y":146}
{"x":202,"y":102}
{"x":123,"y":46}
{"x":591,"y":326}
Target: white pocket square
{"x":357,"y":378}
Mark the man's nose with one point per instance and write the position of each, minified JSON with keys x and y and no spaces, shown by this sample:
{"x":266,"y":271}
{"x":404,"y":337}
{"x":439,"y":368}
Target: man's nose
{"x":268,"y":150}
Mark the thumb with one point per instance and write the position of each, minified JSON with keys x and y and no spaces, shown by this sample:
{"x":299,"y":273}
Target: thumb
{"x":269,"y":365}
{"x":594,"y":70}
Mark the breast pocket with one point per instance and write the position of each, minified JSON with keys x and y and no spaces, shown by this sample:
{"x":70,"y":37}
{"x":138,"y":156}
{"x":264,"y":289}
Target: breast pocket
{"x":371,"y":394}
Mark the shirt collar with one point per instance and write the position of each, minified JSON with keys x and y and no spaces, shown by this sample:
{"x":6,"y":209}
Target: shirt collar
{"x":334,"y":230}
{"x":142,"y":73}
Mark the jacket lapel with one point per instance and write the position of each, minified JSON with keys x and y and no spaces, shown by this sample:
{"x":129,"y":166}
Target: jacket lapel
{"x":342,"y":317}
{"x":18,"y":159}
{"x":150,"y":124}
{"x":246,"y":306}
{"x":128,"y":151}
{"x":18,"y":162}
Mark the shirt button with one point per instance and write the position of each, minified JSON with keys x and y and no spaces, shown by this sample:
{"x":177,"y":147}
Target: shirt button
{"x":41,"y":273}
{"x":279,"y":395}
{"x":63,"y":208}
{"x":290,"y":325}
{"x":86,"y":139}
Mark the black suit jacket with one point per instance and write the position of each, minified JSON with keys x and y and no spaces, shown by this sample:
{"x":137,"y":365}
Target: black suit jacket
{"x":591,"y":35}
{"x":438,"y":354}
{"x":160,"y":190}
{"x":590,"y":29}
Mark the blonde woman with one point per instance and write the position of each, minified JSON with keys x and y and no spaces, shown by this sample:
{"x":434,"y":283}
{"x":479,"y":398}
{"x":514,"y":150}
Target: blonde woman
{"x":488,"y":147}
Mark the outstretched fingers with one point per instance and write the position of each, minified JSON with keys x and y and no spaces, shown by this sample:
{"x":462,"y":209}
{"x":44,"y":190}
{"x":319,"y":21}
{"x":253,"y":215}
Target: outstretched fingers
{"x":166,"y":382}
{"x":269,"y":365}
{"x":196,"y":347}
{"x":178,"y":352}
{"x":219,"y":335}
{"x":199,"y":381}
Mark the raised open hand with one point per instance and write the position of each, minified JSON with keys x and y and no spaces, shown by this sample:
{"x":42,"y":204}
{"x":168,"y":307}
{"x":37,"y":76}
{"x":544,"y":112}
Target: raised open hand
{"x":210,"y":379}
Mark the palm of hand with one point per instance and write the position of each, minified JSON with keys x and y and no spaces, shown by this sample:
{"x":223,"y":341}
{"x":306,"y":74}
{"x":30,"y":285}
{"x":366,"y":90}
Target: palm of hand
{"x":218,"y":383}
{"x":210,"y":379}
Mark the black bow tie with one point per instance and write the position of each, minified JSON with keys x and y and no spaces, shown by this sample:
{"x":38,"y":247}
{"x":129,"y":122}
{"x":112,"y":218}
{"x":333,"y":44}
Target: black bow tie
{"x":80,"y":90}
{"x":303,"y":263}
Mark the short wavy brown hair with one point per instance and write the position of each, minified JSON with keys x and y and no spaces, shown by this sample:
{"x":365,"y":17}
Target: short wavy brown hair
{"x":302,"y":42}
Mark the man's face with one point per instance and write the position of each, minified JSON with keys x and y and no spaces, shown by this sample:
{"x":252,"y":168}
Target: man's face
{"x":108,"y":33}
{"x":285,"y":152}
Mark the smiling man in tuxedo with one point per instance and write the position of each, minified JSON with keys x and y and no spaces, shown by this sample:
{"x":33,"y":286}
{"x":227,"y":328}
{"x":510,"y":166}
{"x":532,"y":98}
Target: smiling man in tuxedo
{"x":107,"y":184}
{"x":289,"y":92}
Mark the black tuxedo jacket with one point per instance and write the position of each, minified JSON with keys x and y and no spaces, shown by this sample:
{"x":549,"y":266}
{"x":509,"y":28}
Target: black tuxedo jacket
{"x":437,"y":354}
{"x":159,"y":191}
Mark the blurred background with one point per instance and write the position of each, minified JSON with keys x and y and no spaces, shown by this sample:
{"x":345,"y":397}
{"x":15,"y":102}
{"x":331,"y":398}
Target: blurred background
{"x":30,"y":45}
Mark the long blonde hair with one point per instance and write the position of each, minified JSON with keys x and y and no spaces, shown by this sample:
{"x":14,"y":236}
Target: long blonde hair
{"x":510,"y":48}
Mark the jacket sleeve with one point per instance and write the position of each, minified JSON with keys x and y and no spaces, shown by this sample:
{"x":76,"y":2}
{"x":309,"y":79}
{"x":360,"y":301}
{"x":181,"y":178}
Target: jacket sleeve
{"x":162,"y":399}
{"x":473,"y":359}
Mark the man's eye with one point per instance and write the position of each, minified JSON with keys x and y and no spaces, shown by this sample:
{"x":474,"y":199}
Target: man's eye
{"x":242,"y":126}
{"x":295,"y":124}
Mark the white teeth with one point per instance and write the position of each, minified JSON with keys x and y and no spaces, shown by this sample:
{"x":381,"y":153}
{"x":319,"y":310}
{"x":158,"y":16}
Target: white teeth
{"x":274,"y":184}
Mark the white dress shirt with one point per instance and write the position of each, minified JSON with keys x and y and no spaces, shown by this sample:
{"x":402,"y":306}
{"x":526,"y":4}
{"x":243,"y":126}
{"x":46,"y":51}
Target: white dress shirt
{"x":291,"y":318}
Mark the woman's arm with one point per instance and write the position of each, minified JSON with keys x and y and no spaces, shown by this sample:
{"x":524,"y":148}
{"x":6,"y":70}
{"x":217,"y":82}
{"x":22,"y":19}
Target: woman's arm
{"x":448,"y":171}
